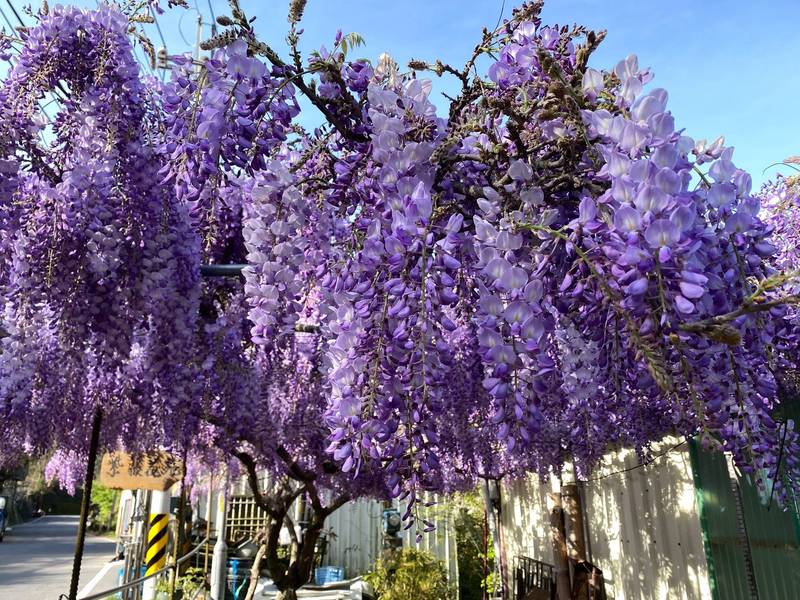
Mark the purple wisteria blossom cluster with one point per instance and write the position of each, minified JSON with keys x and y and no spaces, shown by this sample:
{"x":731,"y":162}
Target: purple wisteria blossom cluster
{"x":550,"y":271}
{"x":781,"y":210}
{"x":100,"y":268}
{"x":553,"y":271}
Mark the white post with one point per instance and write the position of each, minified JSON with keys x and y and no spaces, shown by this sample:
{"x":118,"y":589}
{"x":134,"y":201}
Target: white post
{"x":157,"y":534}
{"x":219,"y":562}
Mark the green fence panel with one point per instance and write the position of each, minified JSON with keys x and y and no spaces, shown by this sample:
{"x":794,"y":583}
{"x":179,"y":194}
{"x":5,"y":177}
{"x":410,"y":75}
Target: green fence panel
{"x":772,"y":533}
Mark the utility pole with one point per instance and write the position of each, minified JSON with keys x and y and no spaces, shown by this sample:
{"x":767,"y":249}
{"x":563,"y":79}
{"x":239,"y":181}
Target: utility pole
{"x":219,"y":561}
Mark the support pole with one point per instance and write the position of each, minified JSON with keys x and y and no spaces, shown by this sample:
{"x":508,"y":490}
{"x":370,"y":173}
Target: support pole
{"x":576,"y":546}
{"x":94,"y":444}
{"x":485,"y":551}
{"x":558,"y":535}
{"x":491,"y":499}
{"x":209,"y":502}
{"x":219,"y":562}
{"x":178,"y":550}
{"x":157,"y":535}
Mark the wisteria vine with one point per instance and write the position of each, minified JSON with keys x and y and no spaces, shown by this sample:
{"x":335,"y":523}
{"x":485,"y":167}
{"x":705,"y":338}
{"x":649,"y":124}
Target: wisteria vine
{"x":551,"y":271}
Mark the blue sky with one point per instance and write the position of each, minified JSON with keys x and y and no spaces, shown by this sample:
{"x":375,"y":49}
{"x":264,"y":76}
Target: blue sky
{"x":731,"y":67}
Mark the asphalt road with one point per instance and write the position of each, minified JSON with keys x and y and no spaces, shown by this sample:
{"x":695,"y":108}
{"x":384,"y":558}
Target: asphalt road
{"x":36,"y":560}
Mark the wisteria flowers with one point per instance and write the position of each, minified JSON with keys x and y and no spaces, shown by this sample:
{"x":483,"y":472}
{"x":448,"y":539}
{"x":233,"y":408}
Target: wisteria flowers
{"x":552,"y":270}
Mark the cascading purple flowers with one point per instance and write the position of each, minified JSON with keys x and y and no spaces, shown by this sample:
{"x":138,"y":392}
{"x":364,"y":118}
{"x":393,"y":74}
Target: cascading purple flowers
{"x":552,"y":271}
{"x":100,"y":268}
{"x":611,"y":261}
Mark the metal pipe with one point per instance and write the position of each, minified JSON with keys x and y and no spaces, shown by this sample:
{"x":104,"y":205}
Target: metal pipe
{"x":221,"y":270}
{"x":208,"y":520}
{"x":219,"y":561}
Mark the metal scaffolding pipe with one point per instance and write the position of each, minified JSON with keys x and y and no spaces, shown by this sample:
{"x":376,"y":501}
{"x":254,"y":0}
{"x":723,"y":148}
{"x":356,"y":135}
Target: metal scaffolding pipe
{"x":221,"y":270}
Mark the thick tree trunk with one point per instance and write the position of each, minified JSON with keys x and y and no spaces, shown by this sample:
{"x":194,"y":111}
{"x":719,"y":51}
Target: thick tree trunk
{"x":277,"y":505}
{"x":574,"y":512}
{"x":300,"y":569}
{"x":290,"y":580}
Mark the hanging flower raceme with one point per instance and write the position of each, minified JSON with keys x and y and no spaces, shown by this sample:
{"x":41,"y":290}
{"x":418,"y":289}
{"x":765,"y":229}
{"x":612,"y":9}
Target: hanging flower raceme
{"x":94,"y":256}
{"x":390,"y":297}
{"x":226,"y":115}
{"x":781,"y":211}
{"x":672,"y":258}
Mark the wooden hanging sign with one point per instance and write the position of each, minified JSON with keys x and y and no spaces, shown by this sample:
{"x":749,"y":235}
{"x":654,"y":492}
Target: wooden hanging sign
{"x":154,"y":470}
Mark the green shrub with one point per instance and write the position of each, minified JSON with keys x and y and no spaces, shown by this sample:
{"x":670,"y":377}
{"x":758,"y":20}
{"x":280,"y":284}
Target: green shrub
{"x":410,"y":574}
{"x":185,"y":586}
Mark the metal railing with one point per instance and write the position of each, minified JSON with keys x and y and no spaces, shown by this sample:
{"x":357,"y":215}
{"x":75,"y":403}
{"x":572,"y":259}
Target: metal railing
{"x":592,"y":580}
{"x":533,"y":575}
{"x":105,"y":594}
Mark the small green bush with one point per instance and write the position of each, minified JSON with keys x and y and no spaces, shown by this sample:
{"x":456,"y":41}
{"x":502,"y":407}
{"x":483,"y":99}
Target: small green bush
{"x":106,"y":501}
{"x":185,"y":586}
{"x":410,"y":574}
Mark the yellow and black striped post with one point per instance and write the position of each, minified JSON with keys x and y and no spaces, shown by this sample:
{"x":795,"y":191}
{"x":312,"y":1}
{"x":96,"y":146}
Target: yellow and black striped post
{"x":156,"y":555}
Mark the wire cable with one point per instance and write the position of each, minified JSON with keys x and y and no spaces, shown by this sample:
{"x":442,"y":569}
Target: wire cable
{"x":180,"y":23}
{"x":163,"y":41}
{"x":214,"y":19}
{"x":499,"y":19}
{"x":639,"y":466}
{"x":16,"y":14}
{"x":6,"y":19}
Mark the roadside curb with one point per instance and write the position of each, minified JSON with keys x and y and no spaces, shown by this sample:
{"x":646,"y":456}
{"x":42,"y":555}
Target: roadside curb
{"x":89,"y":587}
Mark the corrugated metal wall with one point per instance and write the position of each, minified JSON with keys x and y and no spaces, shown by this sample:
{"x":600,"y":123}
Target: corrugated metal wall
{"x":358,"y":540}
{"x":773,"y":537}
{"x":644,"y":532}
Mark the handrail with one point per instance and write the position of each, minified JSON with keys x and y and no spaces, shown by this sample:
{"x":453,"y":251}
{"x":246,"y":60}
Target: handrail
{"x":180,"y":561}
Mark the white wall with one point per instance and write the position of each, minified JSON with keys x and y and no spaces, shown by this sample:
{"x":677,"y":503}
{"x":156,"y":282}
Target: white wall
{"x":644,"y":529}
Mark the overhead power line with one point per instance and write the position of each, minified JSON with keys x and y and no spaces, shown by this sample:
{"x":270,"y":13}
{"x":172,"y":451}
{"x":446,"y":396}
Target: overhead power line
{"x":213,"y":19}
{"x":16,"y":14}
{"x":5,"y":18}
